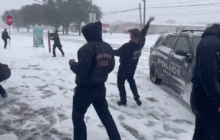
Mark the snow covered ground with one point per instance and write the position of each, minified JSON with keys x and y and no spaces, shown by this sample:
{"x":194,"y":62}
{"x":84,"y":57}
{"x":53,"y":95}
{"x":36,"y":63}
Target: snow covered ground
{"x":40,"y":91}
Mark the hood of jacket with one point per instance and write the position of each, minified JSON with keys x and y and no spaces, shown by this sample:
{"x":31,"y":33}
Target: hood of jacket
{"x":93,"y":32}
{"x":213,"y":30}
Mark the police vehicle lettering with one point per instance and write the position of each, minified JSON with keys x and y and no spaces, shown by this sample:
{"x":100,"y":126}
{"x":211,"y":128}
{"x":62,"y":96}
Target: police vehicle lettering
{"x":171,"y":68}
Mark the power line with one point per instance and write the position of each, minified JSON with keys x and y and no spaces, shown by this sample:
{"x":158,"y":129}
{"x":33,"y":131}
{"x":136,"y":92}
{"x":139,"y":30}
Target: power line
{"x":117,"y":12}
{"x":112,"y":12}
{"x":177,"y":2}
{"x":186,"y":14}
{"x":194,"y":5}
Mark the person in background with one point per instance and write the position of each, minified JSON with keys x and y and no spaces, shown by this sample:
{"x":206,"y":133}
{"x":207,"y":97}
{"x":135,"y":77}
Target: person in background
{"x":95,"y":62}
{"x":5,"y":36}
{"x":129,"y":54}
{"x":57,"y":43}
{"x":205,"y":96}
{"x":5,"y":73}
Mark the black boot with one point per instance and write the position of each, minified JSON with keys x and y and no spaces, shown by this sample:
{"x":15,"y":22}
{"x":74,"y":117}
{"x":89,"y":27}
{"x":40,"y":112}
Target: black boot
{"x":138,"y":101}
{"x":3,"y":92}
{"x":121,"y":104}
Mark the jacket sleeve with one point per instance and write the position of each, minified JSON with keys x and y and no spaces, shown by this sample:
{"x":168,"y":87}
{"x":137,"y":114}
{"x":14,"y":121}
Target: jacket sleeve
{"x":119,"y":52}
{"x":85,"y":58}
{"x":208,"y":61}
{"x":143,"y":34}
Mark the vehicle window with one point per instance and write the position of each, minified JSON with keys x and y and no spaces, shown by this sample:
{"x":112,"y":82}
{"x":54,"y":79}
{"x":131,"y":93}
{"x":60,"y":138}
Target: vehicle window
{"x":182,"y":44}
{"x":196,"y":41}
{"x":158,"y":42}
{"x":169,"y":41}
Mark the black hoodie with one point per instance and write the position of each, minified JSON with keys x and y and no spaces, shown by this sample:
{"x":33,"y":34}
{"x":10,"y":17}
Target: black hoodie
{"x":95,"y":58}
{"x":5,"y":35}
{"x":130,"y":52}
{"x":206,"y":84}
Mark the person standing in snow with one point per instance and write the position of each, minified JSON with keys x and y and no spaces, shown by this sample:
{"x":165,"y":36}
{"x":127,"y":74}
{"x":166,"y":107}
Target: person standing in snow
{"x":5,"y":73}
{"x":205,"y":96}
{"x":57,"y":43}
{"x":129,"y":54}
{"x":5,"y":36}
{"x":95,"y":62}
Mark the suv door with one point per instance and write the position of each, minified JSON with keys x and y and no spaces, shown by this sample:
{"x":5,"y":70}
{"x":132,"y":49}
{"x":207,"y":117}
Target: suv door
{"x":162,"y":59}
{"x":181,"y":60}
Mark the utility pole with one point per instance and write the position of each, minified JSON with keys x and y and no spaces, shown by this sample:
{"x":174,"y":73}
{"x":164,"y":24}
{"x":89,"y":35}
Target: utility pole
{"x":140,"y":16}
{"x":144,"y":11}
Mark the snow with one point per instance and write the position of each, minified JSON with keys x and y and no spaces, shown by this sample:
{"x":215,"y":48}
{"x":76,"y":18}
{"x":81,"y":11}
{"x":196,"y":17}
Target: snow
{"x":40,"y":91}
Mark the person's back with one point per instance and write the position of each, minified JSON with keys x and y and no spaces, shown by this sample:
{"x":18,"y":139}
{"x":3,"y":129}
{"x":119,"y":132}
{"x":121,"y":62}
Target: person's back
{"x":5,"y":36}
{"x":95,"y":62}
{"x":99,"y":59}
{"x":205,"y":96}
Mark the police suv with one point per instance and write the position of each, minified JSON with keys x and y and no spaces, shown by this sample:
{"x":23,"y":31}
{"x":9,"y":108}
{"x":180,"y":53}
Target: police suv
{"x":172,"y":60}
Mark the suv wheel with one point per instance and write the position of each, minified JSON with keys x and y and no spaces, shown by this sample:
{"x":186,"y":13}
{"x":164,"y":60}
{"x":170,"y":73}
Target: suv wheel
{"x":153,"y":75}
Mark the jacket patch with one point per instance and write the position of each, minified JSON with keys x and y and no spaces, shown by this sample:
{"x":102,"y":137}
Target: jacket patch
{"x":103,"y":59}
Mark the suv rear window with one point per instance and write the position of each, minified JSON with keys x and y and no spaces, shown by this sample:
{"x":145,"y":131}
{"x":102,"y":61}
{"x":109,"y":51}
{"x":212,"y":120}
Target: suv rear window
{"x":196,"y":41}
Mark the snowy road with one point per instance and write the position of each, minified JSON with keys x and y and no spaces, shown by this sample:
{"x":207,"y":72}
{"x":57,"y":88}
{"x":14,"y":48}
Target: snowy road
{"x":39,"y":104}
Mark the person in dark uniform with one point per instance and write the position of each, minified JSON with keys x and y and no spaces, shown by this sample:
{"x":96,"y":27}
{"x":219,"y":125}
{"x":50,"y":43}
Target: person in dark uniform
{"x":205,"y":96}
{"x":5,"y":36}
{"x":5,"y":73}
{"x":57,"y":43}
{"x":95,"y":62}
{"x":129,"y":55}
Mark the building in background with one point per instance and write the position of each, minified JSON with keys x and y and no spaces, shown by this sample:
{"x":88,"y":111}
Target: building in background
{"x":155,"y":28}
{"x":105,"y":28}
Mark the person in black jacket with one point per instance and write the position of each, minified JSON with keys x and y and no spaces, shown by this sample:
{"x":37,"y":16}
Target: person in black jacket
{"x":5,"y":36}
{"x":205,"y":96}
{"x":95,"y":62}
{"x":129,"y":55}
{"x":57,"y":43}
{"x":5,"y":73}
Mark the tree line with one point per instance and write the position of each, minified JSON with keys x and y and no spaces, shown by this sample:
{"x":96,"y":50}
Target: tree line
{"x":54,"y":13}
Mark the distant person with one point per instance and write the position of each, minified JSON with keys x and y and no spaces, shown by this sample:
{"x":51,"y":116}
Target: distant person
{"x":5,"y":73}
{"x":95,"y":62}
{"x":205,"y":96}
{"x":57,"y":43}
{"x":5,"y":36}
{"x":129,"y":54}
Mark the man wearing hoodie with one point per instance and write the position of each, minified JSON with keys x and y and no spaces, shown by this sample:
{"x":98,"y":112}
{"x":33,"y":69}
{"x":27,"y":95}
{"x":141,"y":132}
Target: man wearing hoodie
{"x":5,"y":36}
{"x":129,"y":54}
{"x":205,"y":96}
{"x":95,"y":62}
{"x":57,"y":43}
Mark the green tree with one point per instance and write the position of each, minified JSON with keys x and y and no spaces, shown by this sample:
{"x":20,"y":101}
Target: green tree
{"x":68,"y":14}
{"x":83,"y":10}
{"x":52,"y":15}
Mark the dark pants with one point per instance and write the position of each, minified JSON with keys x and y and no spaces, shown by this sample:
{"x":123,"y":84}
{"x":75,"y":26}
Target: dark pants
{"x":5,"y":40}
{"x":95,"y":95}
{"x":59,"y":47}
{"x":207,"y":128}
{"x":126,"y":74}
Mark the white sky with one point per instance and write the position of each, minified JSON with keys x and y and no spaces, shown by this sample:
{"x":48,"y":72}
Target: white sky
{"x":181,"y":15}
{"x":188,"y":14}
